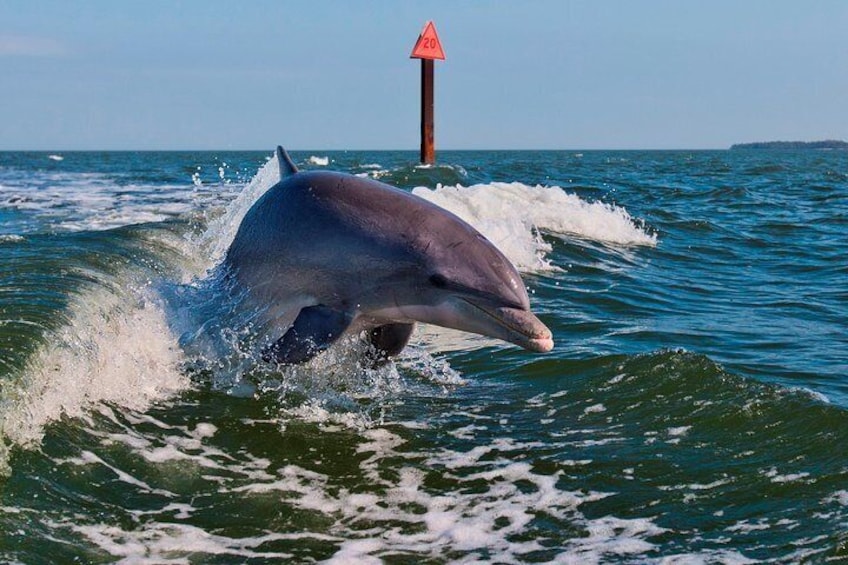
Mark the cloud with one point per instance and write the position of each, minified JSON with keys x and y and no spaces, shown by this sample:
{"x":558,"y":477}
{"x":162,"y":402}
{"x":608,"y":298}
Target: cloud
{"x":28,"y":46}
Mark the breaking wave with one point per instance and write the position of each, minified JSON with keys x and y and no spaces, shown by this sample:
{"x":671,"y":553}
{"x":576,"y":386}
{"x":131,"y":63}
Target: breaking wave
{"x":514,"y":216}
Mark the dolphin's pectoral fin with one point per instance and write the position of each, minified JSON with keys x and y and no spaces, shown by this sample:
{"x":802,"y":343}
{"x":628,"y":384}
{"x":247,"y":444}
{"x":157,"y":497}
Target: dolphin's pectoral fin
{"x":389,"y":339}
{"x":313,"y":331}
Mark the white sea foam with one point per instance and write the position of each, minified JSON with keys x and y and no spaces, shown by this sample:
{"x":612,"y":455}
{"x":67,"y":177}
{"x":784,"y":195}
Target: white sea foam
{"x":725,"y":557}
{"x":747,"y":526}
{"x":776,"y":477}
{"x":89,"y":458}
{"x":594,"y":409}
{"x":485,"y":509}
{"x":699,"y":486}
{"x":679,"y":431}
{"x":92,"y":201}
{"x":487,"y":506}
{"x":55,"y":157}
{"x":319,"y":161}
{"x":513,"y":216}
{"x":160,"y":542}
{"x":113,"y":348}
{"x":840,"y":497}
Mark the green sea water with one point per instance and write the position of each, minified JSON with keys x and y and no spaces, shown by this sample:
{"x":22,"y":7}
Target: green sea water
{"x":694,"y":409}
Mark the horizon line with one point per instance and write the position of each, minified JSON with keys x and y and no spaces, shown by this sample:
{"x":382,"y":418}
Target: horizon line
{"x":176,"y":150}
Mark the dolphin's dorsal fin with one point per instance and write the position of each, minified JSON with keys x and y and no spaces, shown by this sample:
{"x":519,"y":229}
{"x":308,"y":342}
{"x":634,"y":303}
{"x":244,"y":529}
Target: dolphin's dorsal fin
{"x":287,"y":166}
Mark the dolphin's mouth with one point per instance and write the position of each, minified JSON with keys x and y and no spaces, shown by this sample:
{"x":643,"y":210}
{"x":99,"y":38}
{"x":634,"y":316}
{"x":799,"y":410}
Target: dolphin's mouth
{"x":517,"y":326}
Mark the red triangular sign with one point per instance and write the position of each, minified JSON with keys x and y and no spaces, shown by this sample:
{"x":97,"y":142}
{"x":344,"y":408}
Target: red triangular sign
{"x":428,"y":45}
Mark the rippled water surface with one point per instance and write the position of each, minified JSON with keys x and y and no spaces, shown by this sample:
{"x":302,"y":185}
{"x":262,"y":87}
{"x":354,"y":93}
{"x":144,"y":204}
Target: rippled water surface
{"x":694,"y":409}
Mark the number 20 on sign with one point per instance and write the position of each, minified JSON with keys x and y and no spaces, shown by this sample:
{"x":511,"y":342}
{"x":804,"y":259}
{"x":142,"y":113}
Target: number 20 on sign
{"x":428,"y":45}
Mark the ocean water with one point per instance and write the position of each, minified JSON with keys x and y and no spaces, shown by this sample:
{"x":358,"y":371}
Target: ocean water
{"x":694,"y":409}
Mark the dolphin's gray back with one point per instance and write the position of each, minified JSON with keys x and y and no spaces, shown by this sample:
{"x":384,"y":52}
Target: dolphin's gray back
{"x":322,"y":233}
{"x":331,"y":238}
{"x":315,"y":228}
{"x":287,"y":166}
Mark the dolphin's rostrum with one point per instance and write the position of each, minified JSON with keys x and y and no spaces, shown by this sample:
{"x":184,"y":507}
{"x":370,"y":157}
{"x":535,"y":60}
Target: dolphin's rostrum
{"x":327,"y":254}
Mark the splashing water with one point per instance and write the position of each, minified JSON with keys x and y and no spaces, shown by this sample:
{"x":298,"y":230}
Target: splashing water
{"x":689,"y":413}
{"x":513,"y":215}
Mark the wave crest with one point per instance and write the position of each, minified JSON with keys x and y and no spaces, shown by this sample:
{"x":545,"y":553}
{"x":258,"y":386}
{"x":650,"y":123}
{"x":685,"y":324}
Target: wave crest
{"x":513,"y":216}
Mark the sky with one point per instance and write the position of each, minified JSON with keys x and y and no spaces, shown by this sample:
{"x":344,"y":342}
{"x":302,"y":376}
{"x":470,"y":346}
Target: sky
{"x":530,"y":74}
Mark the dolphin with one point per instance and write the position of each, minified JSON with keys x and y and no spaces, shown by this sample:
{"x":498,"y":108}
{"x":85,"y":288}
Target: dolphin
{"x":328,"y":255}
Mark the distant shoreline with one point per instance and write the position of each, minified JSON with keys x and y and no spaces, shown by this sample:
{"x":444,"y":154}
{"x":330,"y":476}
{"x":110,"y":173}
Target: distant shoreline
{"x":826,"y":144}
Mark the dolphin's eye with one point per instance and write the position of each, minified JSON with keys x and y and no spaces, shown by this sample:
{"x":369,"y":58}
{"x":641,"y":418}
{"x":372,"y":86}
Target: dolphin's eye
{"x":439,"y":281}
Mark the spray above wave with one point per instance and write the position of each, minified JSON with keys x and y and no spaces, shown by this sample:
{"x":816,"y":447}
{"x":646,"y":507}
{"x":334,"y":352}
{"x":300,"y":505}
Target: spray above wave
{"x":99,"y":356}
{"x":318,"y":161}
{"x":221,"y":231}
{"x":95,"y":331}
{"x":512,"y":215}
{"x":114,"y":348}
